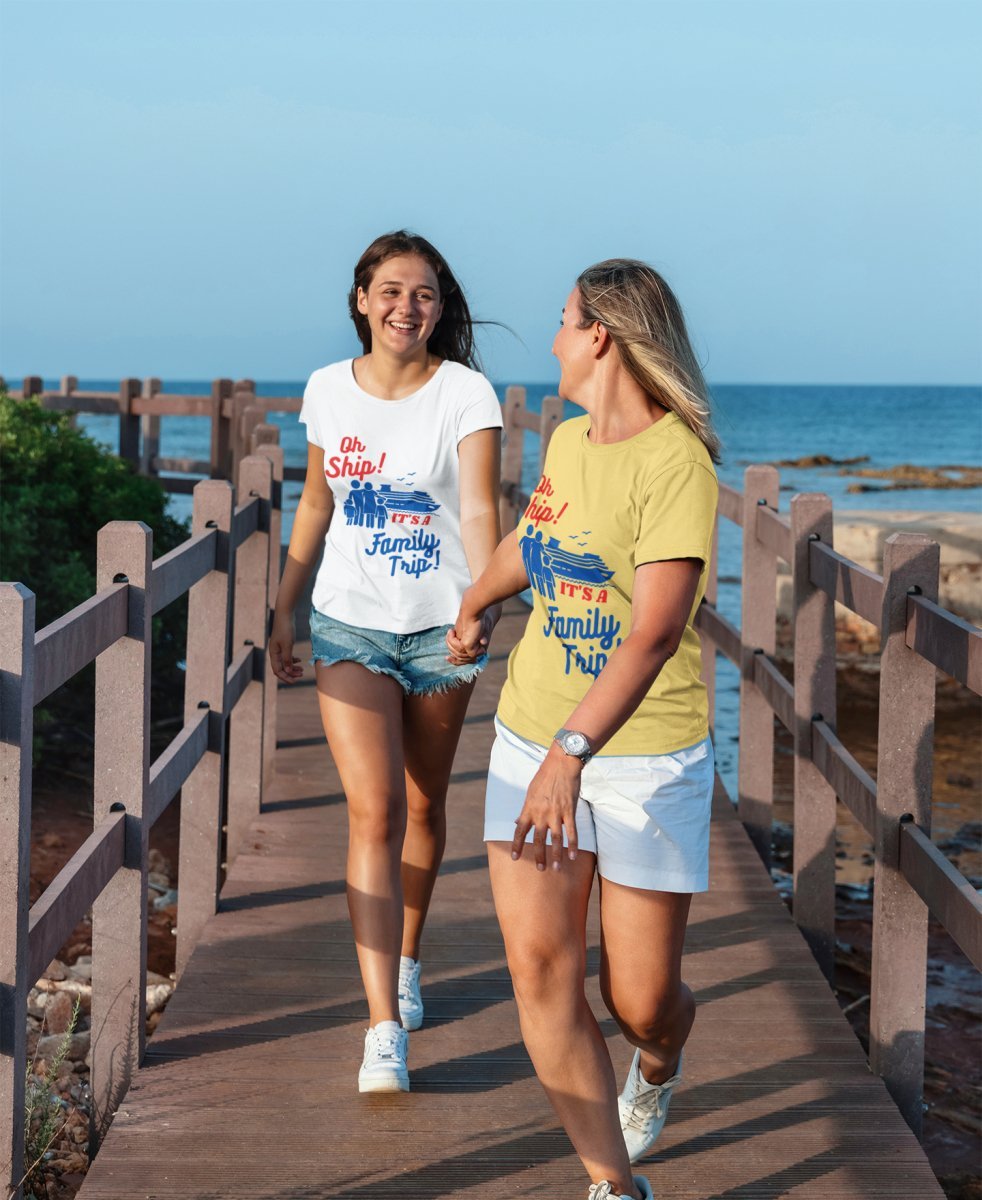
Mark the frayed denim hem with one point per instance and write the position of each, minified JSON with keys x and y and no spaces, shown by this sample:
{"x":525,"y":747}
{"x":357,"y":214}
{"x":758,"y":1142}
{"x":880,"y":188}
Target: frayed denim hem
{"x":440,"y":686}
{"x":362,"y":660}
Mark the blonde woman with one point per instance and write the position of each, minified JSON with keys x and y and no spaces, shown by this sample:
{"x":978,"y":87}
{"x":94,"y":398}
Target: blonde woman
{"x":602,"y":762}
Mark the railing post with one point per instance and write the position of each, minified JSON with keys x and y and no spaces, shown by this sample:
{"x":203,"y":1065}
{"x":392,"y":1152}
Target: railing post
{"x":33,"y":386}
{"x":511,"y":459}
{"x":209,"y":623}
{"x":121,"y":774}
{"x":755,"y":772}
{"x":814,"y":696}
{"x":708,"y":646}
{"x":242,"y":400}
{"x":269,"y":449}
{"x":150,"y":429}
{"x":552,"y":415}
{"x":221,"y":390}
{"x":68,"y":385}
{"x":904,"y":763}
{"x":16,"y":746}
{"x":245,"y":734}
{"x":129,"y":422}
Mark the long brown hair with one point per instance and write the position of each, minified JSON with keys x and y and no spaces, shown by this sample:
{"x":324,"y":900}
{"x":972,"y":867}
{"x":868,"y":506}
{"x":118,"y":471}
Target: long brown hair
{"x":453,"y":337}
{"x":645,"y":322}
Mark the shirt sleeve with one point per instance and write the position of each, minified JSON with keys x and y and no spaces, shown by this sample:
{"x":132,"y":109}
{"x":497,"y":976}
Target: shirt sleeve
{"x":480,"y":410}
{"x":678,"y":516}
{"x":308,"y":412}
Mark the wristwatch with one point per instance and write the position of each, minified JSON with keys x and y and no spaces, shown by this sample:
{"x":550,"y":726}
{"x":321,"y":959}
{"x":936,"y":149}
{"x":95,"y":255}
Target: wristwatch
{"x":576,"y":745}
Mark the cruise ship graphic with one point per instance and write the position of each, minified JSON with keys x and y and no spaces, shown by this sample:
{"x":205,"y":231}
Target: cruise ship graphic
{"x":579,"y":568}
{"x":411,"y":502}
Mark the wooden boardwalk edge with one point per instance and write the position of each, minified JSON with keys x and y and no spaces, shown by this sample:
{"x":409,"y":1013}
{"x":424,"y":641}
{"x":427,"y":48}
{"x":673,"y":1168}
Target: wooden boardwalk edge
{"x":249,"y":1084}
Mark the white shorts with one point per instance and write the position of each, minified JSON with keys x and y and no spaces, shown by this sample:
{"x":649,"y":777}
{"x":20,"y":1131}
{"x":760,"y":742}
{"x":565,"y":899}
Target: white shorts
{"x":645,"y":816}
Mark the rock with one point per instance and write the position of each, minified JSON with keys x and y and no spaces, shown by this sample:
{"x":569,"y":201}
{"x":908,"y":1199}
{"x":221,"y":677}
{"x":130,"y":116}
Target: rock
{"x":157,"y":996}
{"x":168,"y":899}
{"x":36,"y":1002}
{"x":78,"y":1046}
{"x":158,"y":880}
{"x":58,"y":1012}
{"x":81,"y":969}
{"x":56,"y":970}
{"x":159,"y":865}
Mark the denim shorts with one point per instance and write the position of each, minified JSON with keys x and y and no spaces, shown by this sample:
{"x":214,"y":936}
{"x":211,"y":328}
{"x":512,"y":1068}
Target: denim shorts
{"x":416,"y":661}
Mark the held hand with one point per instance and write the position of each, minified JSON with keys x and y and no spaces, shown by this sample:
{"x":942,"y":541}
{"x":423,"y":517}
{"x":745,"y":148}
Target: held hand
{"x":470,"y":636}
{"x":281,"y":659}
{"x":550,"y":807}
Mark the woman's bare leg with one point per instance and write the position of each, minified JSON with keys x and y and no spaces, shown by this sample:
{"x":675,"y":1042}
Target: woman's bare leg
{"x":362,"y":715}
{"x":543,"y":919}
{"x":644,"y":990}
{"x":431,"y":729}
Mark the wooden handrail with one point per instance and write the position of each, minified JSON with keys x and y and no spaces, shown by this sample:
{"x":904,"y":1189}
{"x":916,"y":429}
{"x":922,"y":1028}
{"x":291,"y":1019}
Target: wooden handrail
{"x":775,"y":532}
{"x":854,"y":586}
{"x":947,"y":641}
{"x":175,"y":573}
{"x":778,"y":692}
{"x":65,"y":901}
{"x":852,"y":783}
{"x":948,"y":895}
{"x":175,"y":764}
{"x":70,"y":643}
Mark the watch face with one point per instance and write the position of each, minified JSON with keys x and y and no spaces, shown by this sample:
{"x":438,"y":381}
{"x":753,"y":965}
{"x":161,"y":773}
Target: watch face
{"x":576,"y":743}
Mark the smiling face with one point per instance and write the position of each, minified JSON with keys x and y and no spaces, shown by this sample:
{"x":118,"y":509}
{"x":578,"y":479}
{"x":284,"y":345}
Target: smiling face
{"x":402,"y":305}
{"x":574,"y":347}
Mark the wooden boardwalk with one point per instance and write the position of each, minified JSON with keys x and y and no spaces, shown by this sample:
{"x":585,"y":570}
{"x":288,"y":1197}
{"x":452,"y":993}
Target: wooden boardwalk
{"x":249,"y":1084}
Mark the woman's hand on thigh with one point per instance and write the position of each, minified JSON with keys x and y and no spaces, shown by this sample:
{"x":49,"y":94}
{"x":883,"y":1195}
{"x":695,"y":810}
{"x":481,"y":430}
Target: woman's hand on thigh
{"x":550,"y":808}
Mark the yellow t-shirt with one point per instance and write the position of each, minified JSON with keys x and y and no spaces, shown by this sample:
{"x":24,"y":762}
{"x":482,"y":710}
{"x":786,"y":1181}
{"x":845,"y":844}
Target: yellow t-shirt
{"x":598,"y":512}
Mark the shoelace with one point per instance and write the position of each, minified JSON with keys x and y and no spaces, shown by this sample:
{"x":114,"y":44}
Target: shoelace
{"x":387,"y":1044}
{"x":600,"y":1191}
{"x":407,"y":977}
{"x":650,"y":1099}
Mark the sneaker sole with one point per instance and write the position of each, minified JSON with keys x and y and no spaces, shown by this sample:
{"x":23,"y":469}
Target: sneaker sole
{"x":413,"y":1022}
{"x":383,"y":1083}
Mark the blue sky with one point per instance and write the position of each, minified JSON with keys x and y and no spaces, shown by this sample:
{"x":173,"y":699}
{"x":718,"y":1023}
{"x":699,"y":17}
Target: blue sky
{"x":186,"y":185}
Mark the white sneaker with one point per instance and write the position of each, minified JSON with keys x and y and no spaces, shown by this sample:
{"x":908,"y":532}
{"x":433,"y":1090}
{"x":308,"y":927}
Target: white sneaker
{"x":384,"y":1066}
{"x":410,"y":1000}
{"x":643,"y":1108}
{"x":603,"y":1190}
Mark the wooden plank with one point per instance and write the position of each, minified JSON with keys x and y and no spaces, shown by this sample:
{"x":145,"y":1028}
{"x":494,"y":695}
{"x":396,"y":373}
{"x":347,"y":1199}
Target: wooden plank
{"x":76,"y":639}
{"x":121,"y":771}
{"x":949,"y":896}
{"x":186,"y":466}
{"x":774,"y":532}
{"x":758,"y":622}
{"x":851,"y":783}
{"x":775,"y":689}
{"x":175,"y":764}
{"x":177,"y":572}
{"x":71,"y":893}
{"x":904,"y":769}
{"x":245,"y":521}
{"x":240,"y":674}
{"x":170,"y":404}
{"x":731,"y":504}
{"x":858,"y":589}
{"x":17,"y":614}
{"x":953,"y":645}
{"x":723,"y":633}
{"x":813,"y":612}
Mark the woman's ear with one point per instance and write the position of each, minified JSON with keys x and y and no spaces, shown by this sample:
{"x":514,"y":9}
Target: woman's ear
{"x":602,"y":341}
{"x":362,"y":301}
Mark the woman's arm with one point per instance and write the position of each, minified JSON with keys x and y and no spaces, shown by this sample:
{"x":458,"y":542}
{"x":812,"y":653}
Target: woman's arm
{"x":310,"y":526}
{"x":662,"y":601}
{"x":504,"y":576}
{"x":479,"y":455}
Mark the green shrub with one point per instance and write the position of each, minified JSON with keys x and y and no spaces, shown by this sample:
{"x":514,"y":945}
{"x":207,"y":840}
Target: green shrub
{"x":58,"y":487}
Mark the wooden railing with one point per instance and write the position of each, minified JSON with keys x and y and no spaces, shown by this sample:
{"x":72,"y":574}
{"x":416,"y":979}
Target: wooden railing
{"x":912,"y":878}
{"x":225,"y":688}
{"x":220,"y":762}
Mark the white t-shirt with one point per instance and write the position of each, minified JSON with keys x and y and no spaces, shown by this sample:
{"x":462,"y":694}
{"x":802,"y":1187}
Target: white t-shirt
{"x":393,"y":558}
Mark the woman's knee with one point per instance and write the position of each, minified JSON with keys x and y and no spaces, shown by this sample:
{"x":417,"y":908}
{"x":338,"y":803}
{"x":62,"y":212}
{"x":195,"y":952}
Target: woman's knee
{"x":647,"y":1016}
{"x":541,"y":970}
{"x":427,"y":809}
{"x":379,"y":821}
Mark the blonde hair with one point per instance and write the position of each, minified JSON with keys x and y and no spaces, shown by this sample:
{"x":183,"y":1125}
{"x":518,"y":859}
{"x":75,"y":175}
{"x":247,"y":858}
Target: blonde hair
{"x":644,"y":319}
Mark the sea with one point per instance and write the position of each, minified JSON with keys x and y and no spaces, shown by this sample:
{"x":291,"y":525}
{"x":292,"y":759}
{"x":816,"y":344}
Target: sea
{"x":925,"y":426}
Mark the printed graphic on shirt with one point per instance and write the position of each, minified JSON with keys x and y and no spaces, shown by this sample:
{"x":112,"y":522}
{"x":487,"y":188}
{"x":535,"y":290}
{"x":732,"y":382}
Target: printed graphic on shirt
{"x":371,"y":506}
{"x":589,"y":638}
